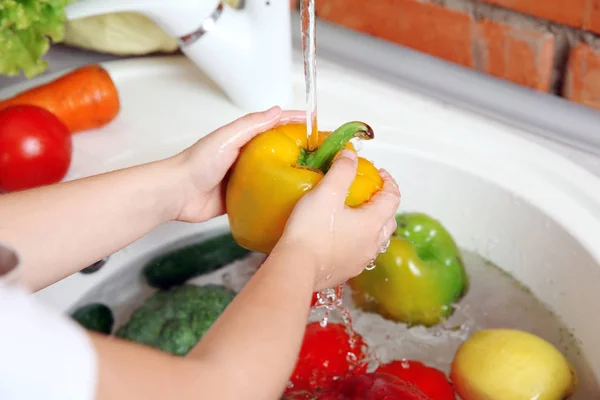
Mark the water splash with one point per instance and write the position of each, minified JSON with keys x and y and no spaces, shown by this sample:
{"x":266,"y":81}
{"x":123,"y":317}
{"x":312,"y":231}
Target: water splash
{"x":330,"y":304}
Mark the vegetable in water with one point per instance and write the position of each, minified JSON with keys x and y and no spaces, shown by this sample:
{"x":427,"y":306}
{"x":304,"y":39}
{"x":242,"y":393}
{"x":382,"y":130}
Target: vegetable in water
{"x":175,"y":320}
{"x":176,"y":267}
{"x":507,"y":364}
{"x":95,"y":317}
{"x":275,"y":170}
{"x":35,"y":148}
{"x":420,"y":276}
{"x":373,"y":386}
{"x":85,"y":98}
{"x":430,"y":381}
{"x":324,"y":357}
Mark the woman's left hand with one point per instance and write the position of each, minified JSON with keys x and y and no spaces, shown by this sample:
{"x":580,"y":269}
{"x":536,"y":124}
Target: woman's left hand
{"x":206,"y":163}
{"x":119,"y":207}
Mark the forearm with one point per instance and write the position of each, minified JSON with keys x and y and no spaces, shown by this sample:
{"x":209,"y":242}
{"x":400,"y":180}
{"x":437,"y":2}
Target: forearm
{"x":257,"y":339}
{"x":63,"y":228}
{"x":249,"y":352}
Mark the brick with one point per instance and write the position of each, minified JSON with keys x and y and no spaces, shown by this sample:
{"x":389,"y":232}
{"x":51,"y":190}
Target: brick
{"x":582,"y":81}
{"x":522,"y":56}
{"x":505,"y":51}
{"x":591,"y":20}
{"x":568,"y":12}
{"x":582,"y":14}
{"x":424,"y":27}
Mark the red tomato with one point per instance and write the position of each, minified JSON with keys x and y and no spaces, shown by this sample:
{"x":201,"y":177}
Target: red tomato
{"x":374,"y":386}
{"x":324,"y":356}
{"x":35,"y":148}
{"x":431,"y":381}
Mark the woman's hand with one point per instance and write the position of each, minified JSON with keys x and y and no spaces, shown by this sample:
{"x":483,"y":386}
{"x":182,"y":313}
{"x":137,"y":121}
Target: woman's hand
{"x":340,"y":241}
{"x":207,"y":162}
{"x":119,"y":207}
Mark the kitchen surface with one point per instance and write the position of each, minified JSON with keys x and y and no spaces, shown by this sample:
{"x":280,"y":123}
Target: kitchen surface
{"x":487,"y":119}
{"x":560,"y":125}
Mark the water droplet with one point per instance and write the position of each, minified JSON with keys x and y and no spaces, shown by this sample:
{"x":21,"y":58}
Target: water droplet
{"x":371,"y":265}
{"x":324,"y":321}
{"x":357,"y":144}
{"x":351,"y":358}
{"x":385,"y":247}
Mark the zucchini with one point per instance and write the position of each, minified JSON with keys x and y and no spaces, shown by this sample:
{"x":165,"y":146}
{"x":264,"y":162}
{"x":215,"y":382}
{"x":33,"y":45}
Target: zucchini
{"x":177,"y":267}
{"x":95,"y":317}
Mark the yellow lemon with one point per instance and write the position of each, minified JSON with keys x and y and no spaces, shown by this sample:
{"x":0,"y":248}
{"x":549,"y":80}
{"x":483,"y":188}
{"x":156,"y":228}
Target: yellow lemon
{"x":506,"y":364}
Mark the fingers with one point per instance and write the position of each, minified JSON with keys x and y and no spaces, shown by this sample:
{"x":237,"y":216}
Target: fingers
{"x":388,"y":230}
{"x":384,"y":204}
{"x":292,"y":116}
{"x":235,"y":135}
{"x":340,"y":176}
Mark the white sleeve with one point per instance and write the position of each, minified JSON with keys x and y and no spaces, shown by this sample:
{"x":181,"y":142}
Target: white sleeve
{"x":43,"y":355}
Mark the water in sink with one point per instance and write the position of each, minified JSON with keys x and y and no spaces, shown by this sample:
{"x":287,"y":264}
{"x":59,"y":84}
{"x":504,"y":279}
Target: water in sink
{"x":494,"y":300}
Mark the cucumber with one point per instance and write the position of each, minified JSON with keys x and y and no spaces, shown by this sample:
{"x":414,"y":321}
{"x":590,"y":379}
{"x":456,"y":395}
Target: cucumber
{"x":95,"y":317}
{"x":177,"y":267}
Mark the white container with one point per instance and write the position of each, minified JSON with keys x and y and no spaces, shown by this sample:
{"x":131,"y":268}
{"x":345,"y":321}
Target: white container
{"x":528,"y":210}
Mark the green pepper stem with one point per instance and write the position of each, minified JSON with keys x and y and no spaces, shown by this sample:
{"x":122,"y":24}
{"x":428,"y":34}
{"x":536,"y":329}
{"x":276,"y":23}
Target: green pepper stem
{"x":322,"y":158}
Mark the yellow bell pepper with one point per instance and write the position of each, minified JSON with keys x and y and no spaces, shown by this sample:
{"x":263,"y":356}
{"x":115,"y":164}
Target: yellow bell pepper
{"x":273,"y":172}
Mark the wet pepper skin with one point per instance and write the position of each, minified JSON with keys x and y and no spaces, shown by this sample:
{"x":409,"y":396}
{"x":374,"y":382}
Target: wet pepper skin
{"x":374,"y":386}
{"x":323,"y":357}
{"x":418,"y":278}
{"x":430,"y":381}
{"x":274,"y":171}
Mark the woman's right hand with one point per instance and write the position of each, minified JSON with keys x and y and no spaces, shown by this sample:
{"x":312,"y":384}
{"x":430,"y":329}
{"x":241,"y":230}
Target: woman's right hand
{"x":338,"y":240}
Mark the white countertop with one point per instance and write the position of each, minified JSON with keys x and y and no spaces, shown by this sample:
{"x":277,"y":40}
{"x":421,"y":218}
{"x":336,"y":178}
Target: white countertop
{"x":61,"y":57}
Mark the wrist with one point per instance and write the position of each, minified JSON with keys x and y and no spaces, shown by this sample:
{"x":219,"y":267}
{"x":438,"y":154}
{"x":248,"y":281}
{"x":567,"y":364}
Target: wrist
{"x":297,"y":260}
{"x":170,"y":179}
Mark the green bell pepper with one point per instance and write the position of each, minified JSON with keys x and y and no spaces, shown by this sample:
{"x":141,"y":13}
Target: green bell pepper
{"x":419,"y":277}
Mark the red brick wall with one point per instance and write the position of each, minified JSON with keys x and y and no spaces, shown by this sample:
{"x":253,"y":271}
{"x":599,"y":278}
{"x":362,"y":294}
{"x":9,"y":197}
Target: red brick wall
{"x":547,"y":45}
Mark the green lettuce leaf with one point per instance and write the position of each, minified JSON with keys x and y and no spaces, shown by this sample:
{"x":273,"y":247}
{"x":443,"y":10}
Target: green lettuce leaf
{"x":27,"y":27}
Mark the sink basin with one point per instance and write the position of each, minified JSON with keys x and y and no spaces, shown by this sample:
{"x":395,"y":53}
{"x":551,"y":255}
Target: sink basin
{"x":521,"y":206}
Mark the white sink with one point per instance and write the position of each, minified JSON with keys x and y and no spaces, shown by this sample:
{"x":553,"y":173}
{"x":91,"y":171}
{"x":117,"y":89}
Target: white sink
{"x":528,"y":210}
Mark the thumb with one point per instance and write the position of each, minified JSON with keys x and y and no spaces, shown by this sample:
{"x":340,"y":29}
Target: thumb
{"x":340,"y":176}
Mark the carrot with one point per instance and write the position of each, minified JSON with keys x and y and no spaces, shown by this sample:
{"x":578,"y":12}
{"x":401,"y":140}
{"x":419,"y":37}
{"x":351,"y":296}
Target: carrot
{"x":85,"y":98}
